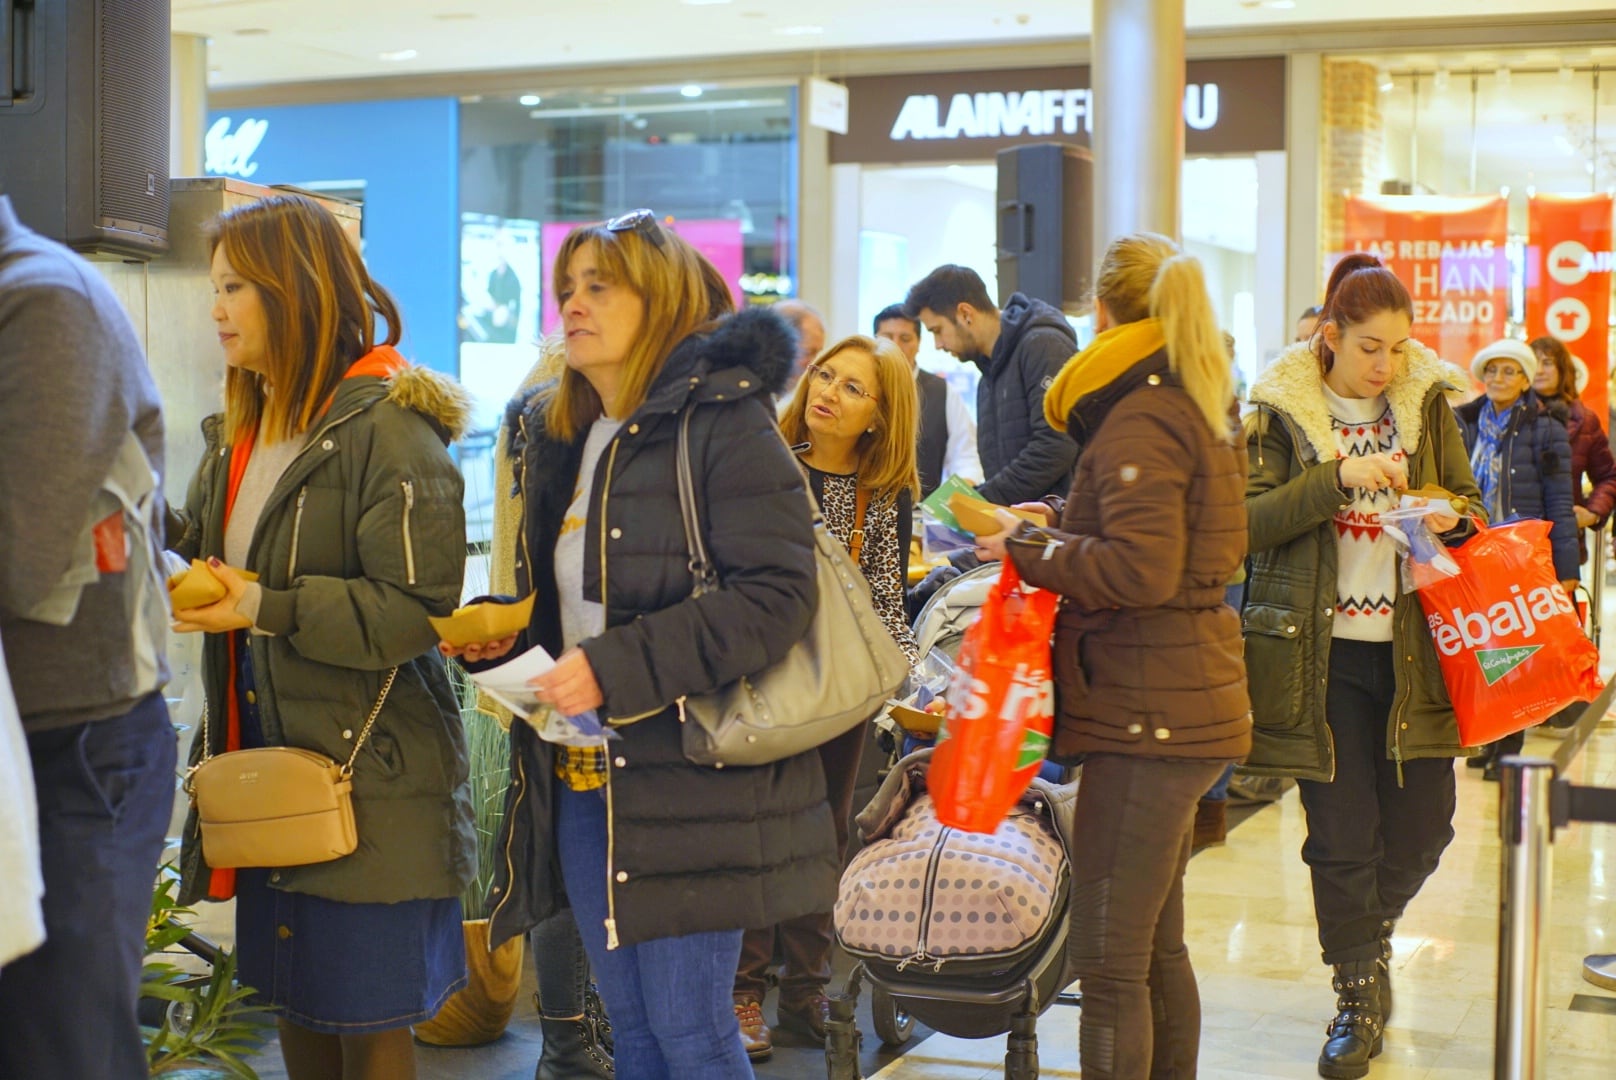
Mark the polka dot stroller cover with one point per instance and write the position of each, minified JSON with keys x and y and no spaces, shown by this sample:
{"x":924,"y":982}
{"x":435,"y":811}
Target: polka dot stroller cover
{"x":925,"y":901}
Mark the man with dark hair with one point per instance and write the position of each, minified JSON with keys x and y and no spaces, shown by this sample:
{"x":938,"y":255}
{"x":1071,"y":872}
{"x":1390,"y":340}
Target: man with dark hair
{"x":84,"y":614}
{"x":947,"y":442}
{"x":1019,"y":350}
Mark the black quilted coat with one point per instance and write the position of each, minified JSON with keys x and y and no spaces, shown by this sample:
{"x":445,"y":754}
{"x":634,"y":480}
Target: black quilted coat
{"x":693,"y":849}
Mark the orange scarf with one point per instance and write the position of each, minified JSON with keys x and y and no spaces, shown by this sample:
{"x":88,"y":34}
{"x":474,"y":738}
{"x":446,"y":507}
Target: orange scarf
{"x":382,"y":362}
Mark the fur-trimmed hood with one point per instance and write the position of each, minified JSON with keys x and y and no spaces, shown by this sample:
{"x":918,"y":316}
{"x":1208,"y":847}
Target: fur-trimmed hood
{"x":1293,"y":386}
{"x":750,"y":352}
{"x":436,"y":396}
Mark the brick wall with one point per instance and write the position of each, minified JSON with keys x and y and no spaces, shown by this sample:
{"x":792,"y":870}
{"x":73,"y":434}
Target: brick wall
{"x":1353,"y":141}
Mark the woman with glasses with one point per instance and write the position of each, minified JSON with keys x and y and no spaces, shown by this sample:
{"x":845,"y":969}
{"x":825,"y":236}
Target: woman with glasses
{"x":852,"y":419}
{"x":662,"y":862}
{"x":1520,"y":452}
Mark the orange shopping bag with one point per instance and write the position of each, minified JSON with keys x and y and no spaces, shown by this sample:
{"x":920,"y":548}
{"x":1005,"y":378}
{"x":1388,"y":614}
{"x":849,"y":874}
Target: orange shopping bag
{"x":996,"y":732}
{"x":1508,"y":637}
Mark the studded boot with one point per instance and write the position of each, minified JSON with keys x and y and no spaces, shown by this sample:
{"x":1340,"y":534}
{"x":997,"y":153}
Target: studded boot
{"x":1357,"y":1032}
{"x":570,"y":1052}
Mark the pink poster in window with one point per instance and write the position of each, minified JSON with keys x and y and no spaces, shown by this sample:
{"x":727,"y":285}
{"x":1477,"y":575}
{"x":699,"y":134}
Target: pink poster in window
{"x":717,"y":238}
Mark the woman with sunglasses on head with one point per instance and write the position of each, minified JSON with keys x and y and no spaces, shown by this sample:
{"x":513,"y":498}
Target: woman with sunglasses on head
{"x":852,"y":417}
{"x":1346,"y":691}
{"x":1520,"y":451}
{"x":328,"y":475}
{"x":663,"y":863}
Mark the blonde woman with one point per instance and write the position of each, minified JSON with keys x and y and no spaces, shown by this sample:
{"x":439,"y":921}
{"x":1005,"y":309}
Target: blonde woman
{"x":1147,"y":655}
{"x":663,"y":863}
{"x":852,"y":419}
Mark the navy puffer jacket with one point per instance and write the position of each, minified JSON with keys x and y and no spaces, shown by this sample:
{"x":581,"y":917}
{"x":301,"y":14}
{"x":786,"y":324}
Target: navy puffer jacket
{"x":1536,"y":474}
{"x":1023,"y":458}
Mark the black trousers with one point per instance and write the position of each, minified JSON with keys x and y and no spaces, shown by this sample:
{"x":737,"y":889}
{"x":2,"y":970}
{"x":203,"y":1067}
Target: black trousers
{"x":1371,"y":842}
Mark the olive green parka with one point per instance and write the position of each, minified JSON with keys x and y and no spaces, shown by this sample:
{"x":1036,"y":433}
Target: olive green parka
{"x":1291,"y":502}
{"x":362,"y":538}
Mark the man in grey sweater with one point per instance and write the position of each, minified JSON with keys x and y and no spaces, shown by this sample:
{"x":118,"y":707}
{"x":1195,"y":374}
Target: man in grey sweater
{"x":83,"y":614}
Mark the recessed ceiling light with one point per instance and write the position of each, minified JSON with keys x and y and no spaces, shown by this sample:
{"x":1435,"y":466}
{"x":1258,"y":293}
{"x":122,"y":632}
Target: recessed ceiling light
{"x":397,"y":55}
{"x":798,"y":31}
{"x":1280,"y":5}
{"x":530,"y":100}
{"x":691,"y":91}
{"x":252,"y":31}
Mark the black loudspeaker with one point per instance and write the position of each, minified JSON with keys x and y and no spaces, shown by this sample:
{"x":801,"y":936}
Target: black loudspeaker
{"x":84,"y":121}
{"x":1046,"y":224}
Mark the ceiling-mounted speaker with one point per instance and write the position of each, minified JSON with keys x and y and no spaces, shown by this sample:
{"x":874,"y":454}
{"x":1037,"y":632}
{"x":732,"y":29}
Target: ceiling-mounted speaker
{"x":84,"y":120}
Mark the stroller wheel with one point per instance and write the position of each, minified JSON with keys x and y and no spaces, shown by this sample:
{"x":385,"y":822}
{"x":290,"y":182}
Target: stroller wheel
{"x":892,"y":1023}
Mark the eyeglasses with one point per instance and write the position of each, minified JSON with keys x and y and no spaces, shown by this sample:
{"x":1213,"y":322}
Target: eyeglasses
{"x":824,"y":379}
{"x":640,"y":221}
{"x":1500,"y":371}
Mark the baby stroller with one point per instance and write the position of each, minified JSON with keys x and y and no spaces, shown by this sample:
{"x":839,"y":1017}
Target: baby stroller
{"x":933,"y":942}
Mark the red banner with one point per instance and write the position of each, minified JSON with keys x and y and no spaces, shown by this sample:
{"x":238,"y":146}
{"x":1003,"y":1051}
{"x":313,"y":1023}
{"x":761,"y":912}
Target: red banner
{"x":1568,"y":271}
{"x":1450,"y":254}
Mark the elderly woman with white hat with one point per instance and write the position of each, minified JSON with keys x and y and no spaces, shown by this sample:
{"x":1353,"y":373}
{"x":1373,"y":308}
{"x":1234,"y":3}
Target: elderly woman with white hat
{"x":1521,"y":456}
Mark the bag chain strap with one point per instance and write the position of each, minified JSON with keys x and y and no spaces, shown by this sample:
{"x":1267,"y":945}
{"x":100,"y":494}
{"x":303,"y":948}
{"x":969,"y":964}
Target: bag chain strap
{"x":359,"y":743}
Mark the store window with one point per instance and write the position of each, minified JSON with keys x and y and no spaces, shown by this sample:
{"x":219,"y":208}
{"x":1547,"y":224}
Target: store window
{"x":914,"y":218}
{"x":1485,"y":180}
{"x":718,"y":165}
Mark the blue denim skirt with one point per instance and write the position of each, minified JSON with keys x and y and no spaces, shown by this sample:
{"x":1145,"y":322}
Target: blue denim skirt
{"x":334,"y":967}
{"x":346,"y":969}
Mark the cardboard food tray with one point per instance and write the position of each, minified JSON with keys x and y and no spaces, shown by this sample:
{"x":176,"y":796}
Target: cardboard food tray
{"x":915,"y":721}
{"x":978,"y":515}
{"x":197,"y":587}
{"x":477,"y":624}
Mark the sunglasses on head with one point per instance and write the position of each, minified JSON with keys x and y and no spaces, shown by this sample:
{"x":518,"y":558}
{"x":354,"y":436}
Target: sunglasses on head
{"x":640,"y":221}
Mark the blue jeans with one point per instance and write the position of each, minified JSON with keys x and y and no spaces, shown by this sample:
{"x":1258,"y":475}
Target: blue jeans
{"x":670,"y":999}
{"x":105,"y":791}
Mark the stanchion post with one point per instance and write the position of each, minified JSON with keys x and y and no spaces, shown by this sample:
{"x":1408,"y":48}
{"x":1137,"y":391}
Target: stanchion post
{"x":1596,"y":584}
{"x":1527,"y":831}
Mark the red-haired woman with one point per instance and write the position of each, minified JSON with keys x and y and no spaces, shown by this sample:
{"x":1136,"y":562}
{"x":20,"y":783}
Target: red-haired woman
{"x":1346,"y":691}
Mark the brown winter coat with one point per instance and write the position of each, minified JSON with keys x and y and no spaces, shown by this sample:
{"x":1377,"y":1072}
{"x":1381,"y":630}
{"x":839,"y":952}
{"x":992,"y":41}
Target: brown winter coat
{"x":1147,"y":656}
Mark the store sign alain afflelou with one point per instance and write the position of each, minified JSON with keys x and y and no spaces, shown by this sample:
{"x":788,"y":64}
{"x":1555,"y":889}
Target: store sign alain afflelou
{"x":1230,"y":106}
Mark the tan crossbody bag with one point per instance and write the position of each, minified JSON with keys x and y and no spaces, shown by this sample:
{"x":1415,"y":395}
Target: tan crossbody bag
{"x":276,"y":805}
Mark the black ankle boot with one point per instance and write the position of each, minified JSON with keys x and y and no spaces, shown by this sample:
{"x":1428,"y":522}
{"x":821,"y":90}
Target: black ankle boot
{"x":570,"y":1052}
{"x":1356,"y":1033}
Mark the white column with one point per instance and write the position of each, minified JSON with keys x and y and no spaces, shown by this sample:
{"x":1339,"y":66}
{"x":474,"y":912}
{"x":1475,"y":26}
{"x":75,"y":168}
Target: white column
{"x":1304,"y":123}
{"x":814,"y":241}
{"x":1138,"y":87}
{"x":188,"y":103}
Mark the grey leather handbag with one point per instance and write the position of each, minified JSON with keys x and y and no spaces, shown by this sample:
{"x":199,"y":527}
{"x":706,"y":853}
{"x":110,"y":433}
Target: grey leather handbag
{"x":839,"y":675}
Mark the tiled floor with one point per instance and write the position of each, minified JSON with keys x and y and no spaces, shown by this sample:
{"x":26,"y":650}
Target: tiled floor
{"x":1266,"y":997}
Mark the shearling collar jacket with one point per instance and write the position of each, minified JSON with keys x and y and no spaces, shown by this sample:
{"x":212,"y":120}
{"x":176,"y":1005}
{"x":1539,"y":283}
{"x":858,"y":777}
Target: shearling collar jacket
{"x":1291,"y":502}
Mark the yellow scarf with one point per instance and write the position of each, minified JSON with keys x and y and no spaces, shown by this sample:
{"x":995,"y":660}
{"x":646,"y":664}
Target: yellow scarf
{"x":1108,"y":356}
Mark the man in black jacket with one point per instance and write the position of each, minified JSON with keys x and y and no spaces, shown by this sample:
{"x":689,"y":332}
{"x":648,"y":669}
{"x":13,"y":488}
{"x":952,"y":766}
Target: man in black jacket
{"x":1019,"y":350}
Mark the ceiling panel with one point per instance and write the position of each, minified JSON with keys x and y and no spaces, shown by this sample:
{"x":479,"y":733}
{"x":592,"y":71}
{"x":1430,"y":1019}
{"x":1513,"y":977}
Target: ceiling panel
{"x":277,"y":41}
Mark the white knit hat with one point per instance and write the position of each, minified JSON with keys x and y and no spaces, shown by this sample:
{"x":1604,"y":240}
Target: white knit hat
{"x":1506,"y":349}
